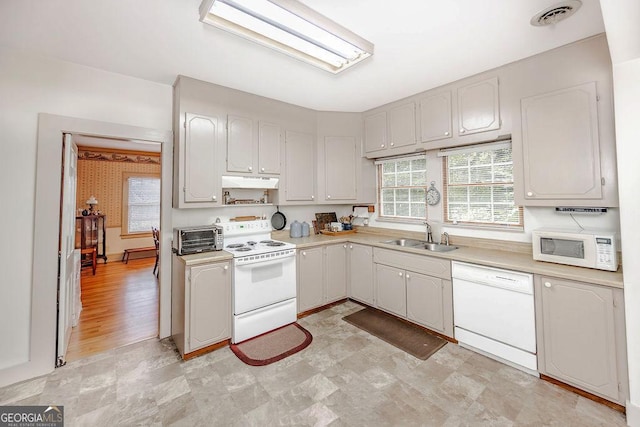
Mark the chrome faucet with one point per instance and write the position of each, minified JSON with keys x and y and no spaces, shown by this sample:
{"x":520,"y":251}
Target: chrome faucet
{"x":429,"y":234}
{"x":445,"y":237}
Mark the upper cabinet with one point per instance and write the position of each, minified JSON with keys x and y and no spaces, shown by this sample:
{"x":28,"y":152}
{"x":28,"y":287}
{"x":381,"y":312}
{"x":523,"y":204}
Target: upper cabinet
{"x":560,"y":145}
{"x":435,"y":116}
{"x":340,"y":159}
{"x":197,"y":179}
{"x":251,"y":152}
{"x":390,"y":132}
{"x":300,"y":165}
{"x":479,"y":107}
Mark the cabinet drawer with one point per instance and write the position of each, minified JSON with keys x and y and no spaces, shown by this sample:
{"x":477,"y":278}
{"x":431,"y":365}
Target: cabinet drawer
{"x":419,"y":263}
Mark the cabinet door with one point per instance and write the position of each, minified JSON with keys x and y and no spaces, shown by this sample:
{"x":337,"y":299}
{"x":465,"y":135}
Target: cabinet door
{"x":391,"y":292}
{"x":579,"y":335}
{"x":435,"y":117}
{"x":479,"y":107}
{"x":561,"y":149}
{"x":239,"y":144}
{"x":269,"y":148}
{"x":340,"y":154}
{"x":310,"y":279}
{"x":336,"y":272}
{"x":375,"y":132}
{"x":424,"y":300}
{"x":209,"y":305}
{"x":300,"y":166}
{"x":402,"y":125}
{"x":361,"y":273}
{"x":201,"y":182}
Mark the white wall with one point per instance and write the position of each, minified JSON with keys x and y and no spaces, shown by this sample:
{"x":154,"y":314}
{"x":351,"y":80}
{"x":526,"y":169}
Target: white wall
{"x":30,"y":85}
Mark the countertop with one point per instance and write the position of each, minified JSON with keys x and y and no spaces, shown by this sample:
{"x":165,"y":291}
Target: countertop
{"x":489,"y":257}
{"x":205,"y":257}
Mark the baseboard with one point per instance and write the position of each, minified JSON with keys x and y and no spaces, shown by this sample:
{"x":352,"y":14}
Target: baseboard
{"x":633,"y":414}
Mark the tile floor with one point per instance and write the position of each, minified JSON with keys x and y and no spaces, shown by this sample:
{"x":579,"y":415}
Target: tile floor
{"x":345,"y":377}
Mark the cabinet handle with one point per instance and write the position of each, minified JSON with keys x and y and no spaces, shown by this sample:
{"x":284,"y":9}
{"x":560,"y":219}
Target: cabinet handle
{"x":351,"y":247}
{"x":313,"y":197}
{"x":215,"y":198}
{"x":392,"y":144}
{"x":529,"y":194}
{"x":226,"y":267}
{"x":462,"y":131}
{"x":381,"y":145}
{"x":261,"y":169}
{"x":345,"y":246}
{"x":304,"y":254}
{"x":408,"y":277}
{"x":547,"y":284}
{"x":250,"y":168}
{"x":446,"y":133}
{"x":400,"y":274}
{"x":328,"y":197}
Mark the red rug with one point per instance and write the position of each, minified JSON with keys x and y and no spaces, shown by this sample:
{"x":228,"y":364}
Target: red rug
{"x":273,"y":346}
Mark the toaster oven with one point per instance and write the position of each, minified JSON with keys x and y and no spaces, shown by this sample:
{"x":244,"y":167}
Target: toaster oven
{"x":194,"y":240}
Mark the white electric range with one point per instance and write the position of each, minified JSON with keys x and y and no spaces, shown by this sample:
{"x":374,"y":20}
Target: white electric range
{"x":264,"y":279}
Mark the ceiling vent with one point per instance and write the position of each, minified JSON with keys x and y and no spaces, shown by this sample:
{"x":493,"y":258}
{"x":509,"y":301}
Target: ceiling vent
{"x":556,"y":13}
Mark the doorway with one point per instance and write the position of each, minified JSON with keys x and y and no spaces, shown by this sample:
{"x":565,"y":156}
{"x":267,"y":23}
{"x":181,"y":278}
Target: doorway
{"x":116,"y":205}
{"x":41,"y":357}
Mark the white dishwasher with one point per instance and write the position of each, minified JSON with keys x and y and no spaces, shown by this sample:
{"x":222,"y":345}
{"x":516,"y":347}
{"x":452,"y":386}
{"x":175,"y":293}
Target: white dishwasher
{"x":493,"y":312}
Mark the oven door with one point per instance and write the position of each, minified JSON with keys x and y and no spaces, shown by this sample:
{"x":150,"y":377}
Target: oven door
{"x":263,"y":283}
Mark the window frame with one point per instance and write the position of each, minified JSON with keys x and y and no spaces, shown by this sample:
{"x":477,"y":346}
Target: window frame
{"x":493,"y":146}
{"x":124,"y":229}
{"x":393,"y":218}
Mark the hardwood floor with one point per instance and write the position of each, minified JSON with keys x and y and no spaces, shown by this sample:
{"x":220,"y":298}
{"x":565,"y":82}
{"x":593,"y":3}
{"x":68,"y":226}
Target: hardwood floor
{"x":119,"y":307}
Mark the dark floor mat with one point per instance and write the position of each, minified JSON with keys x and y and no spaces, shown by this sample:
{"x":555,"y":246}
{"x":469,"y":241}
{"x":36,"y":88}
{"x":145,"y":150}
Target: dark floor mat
{"x":410,"y":338}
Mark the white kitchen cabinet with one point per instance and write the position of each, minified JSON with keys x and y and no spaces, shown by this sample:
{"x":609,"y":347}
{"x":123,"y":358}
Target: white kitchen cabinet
{"x":197,"y":179}
{"x":435,"y":116}
{"x":335,"y":272}
{"x":361,"y":273}
{"x":201,"y":305}
{"x":479,"y":107}
{"x":322,"y":276}
{"x":415,"y":287}
{"x":248,"y":153}
{"x":390,"y":132}
{"x":402,"y":125}
{"x":425,"y":300}
{"x":391,"y":289}
{"x":340,"y":161}
{"x":300,"y":166}
{"x":561,"y":149}
{"x":581,"y":336}
{"x":310,"y":278}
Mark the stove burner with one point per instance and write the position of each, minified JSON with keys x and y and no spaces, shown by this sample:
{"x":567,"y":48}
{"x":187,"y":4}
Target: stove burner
{"x":251,"y":243}
{"x":243,"y":249}
{"x":266,"y":241}
{"x":235,"y":245}
{"x":272,"y":243}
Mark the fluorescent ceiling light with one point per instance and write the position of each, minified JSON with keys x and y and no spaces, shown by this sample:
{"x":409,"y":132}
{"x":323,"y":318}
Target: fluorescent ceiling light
{"x":290,"y":27}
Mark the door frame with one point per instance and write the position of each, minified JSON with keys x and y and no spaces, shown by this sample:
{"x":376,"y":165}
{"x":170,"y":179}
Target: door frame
{"x":42,"y":330}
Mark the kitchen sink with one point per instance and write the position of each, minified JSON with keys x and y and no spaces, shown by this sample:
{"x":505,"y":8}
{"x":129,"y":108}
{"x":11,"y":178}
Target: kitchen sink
{"x":411,"y":243}
{"x":421,"y":244}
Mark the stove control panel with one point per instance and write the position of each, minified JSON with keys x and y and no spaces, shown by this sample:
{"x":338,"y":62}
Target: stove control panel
{"x":238,"y":228}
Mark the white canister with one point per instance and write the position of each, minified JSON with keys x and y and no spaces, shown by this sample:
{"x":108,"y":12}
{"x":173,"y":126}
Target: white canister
{"x":305,"y":229}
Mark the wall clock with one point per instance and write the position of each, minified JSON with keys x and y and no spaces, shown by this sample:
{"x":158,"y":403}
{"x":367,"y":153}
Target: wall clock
{"x":433,"y":195}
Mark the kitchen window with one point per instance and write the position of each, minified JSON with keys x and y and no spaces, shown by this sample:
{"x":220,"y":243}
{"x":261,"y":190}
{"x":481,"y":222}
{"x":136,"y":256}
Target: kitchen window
{"x":402,"y":184}
{"x":141,"y":203}
{"x":478,"y":186}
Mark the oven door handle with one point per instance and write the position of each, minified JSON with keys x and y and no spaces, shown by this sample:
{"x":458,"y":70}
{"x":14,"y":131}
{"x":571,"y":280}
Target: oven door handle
{"x":266,"y":261}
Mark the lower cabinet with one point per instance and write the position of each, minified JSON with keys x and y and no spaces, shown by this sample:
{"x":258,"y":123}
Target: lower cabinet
{"x":361,"y":273}
{"x":425,"y":297}
{"x":200,"y":304}
{"x":581,"y":336}
{"x":322,"y":276}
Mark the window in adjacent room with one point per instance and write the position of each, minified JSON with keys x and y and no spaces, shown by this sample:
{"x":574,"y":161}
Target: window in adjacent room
{"x":478,"y":186}
{"x":141,"y":203}
{"x":402,"y":184}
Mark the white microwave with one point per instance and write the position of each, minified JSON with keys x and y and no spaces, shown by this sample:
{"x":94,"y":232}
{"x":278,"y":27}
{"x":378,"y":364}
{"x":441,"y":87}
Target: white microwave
{"x":584,"y":248}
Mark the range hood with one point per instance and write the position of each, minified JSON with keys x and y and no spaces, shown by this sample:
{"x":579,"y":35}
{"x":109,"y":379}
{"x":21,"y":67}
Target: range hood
{"x":256,"y":182}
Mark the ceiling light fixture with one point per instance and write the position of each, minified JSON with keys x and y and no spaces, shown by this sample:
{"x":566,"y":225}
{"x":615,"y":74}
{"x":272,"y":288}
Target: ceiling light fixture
{"x":289,"y":27}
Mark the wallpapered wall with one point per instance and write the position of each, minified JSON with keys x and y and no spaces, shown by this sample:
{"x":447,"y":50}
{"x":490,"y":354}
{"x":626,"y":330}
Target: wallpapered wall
{"x":100,"y":174}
